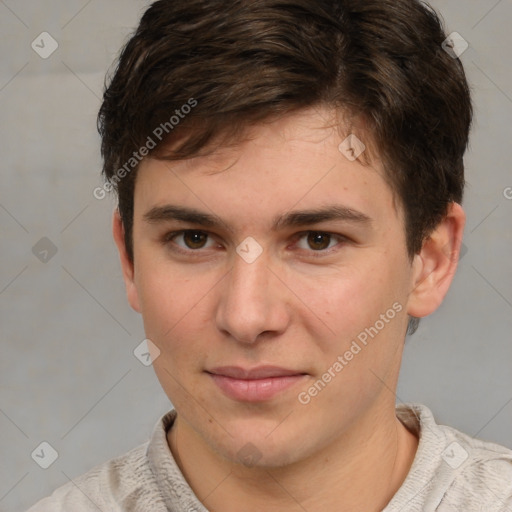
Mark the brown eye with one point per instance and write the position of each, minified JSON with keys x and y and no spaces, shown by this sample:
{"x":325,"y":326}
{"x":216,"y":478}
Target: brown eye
{"x":319,"y":244}
{"x":194,"y":239}
{"x":319,"y":241}
{"x":190,"y":243}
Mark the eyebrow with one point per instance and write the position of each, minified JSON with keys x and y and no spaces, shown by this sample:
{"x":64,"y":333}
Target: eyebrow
{"x":160,"y":214}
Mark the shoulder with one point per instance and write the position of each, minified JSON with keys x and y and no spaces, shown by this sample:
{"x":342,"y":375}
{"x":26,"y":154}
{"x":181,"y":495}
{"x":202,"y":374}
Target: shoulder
{"x":112,"y":486}
{"x":454,"y":471}
{"x":482,"y":471}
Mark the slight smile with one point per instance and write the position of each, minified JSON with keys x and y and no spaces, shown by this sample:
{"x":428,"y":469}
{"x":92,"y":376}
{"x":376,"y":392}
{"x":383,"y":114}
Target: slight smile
{"x":256,"y":384}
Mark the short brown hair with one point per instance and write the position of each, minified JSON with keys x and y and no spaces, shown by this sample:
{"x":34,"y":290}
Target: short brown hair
{"x":247,"y":61}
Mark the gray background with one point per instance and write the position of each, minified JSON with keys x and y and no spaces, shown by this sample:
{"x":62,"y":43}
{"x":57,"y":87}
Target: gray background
{"x":69,"y":376}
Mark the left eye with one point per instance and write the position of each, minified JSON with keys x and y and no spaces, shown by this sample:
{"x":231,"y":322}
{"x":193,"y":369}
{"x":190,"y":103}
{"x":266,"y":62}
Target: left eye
{"x":318,"y":241}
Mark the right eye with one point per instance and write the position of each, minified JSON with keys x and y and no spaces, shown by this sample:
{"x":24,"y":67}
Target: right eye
{"x":192,"y":241}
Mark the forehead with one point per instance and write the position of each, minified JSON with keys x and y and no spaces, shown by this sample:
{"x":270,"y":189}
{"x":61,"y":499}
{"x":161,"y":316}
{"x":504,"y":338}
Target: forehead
{"x":301,"y":160}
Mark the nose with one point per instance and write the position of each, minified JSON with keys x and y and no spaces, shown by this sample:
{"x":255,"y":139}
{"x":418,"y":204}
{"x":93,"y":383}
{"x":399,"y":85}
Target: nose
{"x":253,"y":301}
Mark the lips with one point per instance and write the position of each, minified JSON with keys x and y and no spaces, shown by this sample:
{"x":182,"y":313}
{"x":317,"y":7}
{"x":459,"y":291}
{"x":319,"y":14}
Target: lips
{"x":261,"y":372}
{"x":256,"y":384}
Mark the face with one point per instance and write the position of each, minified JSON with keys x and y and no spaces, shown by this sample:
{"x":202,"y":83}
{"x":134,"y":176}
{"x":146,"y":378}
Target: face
{"x":279,"y":328}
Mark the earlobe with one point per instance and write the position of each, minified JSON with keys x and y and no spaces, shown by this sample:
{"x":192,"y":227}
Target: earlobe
{"x":127,"y":265}
{"x":435,"y":266}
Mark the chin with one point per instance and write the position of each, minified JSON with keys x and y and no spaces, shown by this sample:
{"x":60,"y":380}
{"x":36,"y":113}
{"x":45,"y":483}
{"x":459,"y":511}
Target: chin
{"x":260,"y":447}
{"x":251,"y":455}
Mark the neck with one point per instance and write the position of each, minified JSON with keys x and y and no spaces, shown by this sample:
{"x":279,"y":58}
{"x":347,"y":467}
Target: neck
{"x":360,"y":470}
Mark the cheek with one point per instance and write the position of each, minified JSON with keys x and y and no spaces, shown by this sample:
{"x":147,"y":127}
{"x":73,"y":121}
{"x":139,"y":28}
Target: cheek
{"x":167,"y":298}
{"x":172,"y":322}
{"x":347,"y":300}
{"x":365,"y":313}
{"x":174,"y":310}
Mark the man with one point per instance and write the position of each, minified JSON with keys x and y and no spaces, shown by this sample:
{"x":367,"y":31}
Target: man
{"x":290,"y":175}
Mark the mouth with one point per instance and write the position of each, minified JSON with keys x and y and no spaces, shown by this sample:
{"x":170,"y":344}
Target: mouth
{"x":257,"y":384}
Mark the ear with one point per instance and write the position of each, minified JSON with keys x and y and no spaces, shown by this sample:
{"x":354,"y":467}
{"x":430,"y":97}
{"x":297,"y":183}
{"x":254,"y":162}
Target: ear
{"x":435,"y":265}
{"x":126,"y":264}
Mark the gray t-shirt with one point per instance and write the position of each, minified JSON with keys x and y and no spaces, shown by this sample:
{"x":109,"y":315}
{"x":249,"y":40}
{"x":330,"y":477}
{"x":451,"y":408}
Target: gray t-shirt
{"x":451,"y":472}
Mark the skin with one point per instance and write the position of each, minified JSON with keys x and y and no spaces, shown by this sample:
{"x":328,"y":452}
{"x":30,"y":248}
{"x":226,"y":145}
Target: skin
{"x":345,"y":450}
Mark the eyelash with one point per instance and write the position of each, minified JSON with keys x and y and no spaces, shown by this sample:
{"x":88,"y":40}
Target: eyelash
{"x":169,"y":237}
